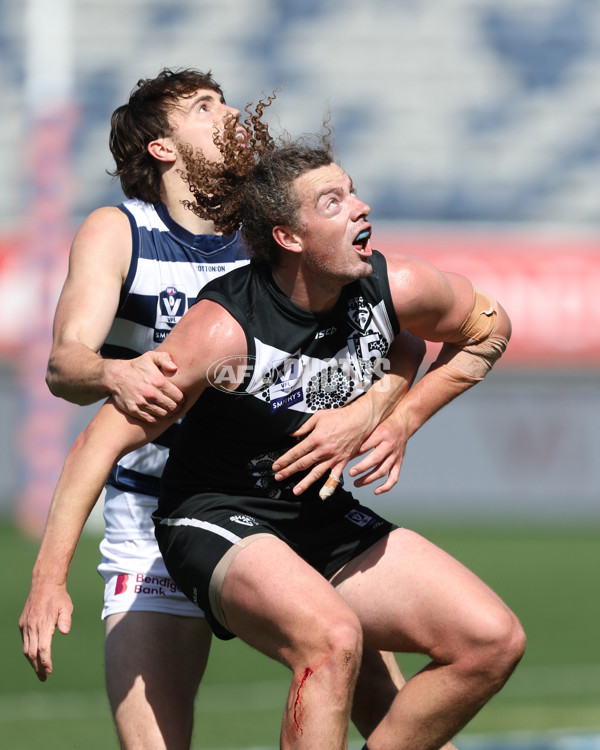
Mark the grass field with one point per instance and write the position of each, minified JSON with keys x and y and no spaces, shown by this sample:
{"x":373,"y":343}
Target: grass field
{"x":549,"y":576}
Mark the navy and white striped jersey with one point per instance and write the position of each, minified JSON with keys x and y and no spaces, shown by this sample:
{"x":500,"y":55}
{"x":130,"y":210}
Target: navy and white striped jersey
{"x":169,"y":266}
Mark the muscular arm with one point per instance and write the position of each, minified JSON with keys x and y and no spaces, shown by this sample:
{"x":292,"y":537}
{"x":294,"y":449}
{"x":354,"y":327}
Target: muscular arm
{"x":109,"y":436}
{"x":98,"y":264}
{"x":436,"y":306}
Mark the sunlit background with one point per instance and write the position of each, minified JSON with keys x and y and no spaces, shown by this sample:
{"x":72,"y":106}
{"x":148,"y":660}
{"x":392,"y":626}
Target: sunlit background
{"x":472,"y":129}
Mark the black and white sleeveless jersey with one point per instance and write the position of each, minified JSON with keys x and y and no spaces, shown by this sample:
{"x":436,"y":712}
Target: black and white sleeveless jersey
{"x":297,"y":362}
{"x":169,"y":266}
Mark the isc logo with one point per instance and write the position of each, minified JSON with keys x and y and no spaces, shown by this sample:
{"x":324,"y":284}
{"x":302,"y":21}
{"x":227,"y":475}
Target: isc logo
{"x":325,"y":332}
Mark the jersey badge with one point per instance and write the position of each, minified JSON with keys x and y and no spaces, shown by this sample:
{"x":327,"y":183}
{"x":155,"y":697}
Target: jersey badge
{"x":359,"y":313}
{"x":172,"y":304}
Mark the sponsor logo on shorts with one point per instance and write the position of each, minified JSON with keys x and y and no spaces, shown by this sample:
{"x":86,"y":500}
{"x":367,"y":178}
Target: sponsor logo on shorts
{"x":359,"y":518}
{"x":144,"y":584}
{"x":244,"y":520}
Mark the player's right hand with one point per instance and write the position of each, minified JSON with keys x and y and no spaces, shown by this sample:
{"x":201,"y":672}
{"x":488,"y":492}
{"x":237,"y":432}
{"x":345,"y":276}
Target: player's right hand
{"x":48,"y":606}
{"x":142,"y":387}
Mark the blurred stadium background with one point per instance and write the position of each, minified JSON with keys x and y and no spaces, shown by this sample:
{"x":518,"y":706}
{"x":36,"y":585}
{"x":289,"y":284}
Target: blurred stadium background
{"x":471,"y":128}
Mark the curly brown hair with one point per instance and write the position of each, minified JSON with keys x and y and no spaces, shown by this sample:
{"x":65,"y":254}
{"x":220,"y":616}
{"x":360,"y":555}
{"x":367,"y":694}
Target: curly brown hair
{"x":267,"y":196}
{"x":216,"y":186}
{"x":145,"y":118}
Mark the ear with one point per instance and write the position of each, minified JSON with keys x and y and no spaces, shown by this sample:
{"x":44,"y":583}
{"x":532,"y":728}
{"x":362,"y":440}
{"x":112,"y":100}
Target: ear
{"x":162,"y":149}
{"x":287,"y":239}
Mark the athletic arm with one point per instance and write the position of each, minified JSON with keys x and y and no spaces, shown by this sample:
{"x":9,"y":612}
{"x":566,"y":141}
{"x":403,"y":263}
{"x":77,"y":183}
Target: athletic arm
{"x":475,"y":331}
{"x":86,"y":468}
{"x":110,"y":435}
{"x":448,"y":308}
{"x":98,"y":264}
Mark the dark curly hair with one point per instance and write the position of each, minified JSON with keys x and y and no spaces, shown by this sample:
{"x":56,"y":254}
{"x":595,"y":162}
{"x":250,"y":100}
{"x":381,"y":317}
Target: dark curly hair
{"x":216,"y":186}
{"x":267,"y":195}
{"x":145,"y":118}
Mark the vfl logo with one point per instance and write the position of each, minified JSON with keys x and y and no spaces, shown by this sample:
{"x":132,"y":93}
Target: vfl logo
{"x":172,"y":305}
{"x":121,"y":586}
{"x":286,"y":388}
{"x":359,"y":313}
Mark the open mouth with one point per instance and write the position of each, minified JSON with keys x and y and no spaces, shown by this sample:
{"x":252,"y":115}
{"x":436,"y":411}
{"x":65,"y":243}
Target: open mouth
{"x":362,"y":239}
{"x":240,"y":135}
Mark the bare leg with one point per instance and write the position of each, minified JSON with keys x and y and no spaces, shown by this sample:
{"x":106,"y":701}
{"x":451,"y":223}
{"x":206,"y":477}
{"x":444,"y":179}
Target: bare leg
{"x":280,"y":605}
{"x":378,"y":684}
{"x":154,"y":664}
{"x":411,"y":596}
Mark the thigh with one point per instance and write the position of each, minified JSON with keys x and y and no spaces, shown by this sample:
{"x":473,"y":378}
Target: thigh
{"x":412,"y":596}
{"x":154,"y":663}
{"x":279,"y":604}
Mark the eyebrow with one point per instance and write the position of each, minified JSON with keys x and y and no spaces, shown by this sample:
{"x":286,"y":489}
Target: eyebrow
{"x":337,"y":189}
{"x":203,"y":98}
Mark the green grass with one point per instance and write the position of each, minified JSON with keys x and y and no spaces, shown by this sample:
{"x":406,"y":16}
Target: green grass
{"x":549,"y":576}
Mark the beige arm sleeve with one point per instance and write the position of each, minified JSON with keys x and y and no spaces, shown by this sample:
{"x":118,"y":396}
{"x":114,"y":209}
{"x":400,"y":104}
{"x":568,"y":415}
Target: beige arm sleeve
{"x":476,"y":346}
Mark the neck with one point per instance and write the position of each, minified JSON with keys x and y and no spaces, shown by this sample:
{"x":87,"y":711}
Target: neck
{"x":173,"y":191}
{"x":185,"y":217}
{"x":315,"y":294}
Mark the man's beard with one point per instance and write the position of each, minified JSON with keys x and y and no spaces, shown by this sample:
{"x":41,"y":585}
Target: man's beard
{"x":216,"y":186}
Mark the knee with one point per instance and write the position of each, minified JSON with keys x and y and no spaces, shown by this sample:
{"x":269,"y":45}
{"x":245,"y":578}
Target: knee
{"x":343,"y":642}
{"x":336,"y":651}
{"x":499,"y":646}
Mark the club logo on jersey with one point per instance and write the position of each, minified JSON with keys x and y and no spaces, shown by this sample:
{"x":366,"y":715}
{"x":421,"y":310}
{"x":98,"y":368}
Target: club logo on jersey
{"x":359,"y":313}
{"x":172,"y":304}
{"x":367,"y":346}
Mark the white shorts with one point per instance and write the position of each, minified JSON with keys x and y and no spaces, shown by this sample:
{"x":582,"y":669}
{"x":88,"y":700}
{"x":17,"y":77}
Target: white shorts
{"x":134,"y":573}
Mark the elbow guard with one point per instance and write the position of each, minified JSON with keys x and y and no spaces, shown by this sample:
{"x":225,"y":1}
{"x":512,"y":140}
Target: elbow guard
{"x":476,"y":346}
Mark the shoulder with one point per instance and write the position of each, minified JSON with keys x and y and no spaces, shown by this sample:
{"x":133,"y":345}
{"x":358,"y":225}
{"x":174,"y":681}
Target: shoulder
{"x":427,"y":300}
{"x":105,"y":226}
{"x":106,"y":219}
{"x":409,"y":267}
{"x":411,"y":277}
{"x":103,"y":239}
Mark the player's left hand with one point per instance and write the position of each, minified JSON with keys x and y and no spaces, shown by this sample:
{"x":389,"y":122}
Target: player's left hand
{"x":385,"y":448}
{"x":331,"y":438}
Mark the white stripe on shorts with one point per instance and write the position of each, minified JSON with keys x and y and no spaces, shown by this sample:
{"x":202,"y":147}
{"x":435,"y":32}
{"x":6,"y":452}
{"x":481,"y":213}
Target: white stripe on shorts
{"x":233,"y":538}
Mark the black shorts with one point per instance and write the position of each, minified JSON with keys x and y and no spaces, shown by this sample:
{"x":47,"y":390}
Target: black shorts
{"x":204,"y":528}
